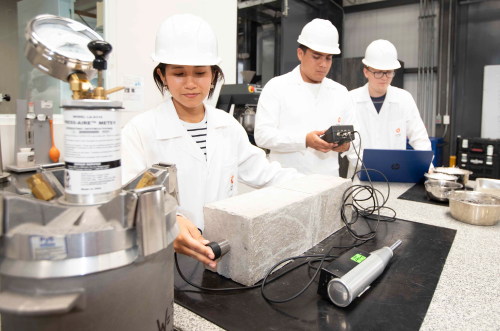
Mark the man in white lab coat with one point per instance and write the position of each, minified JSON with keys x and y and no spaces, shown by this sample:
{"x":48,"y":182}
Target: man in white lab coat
{"x":295,"y":109}
{"x":386,"y":114}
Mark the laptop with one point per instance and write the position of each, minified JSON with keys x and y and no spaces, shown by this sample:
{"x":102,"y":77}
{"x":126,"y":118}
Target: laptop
{"x":406,"y":166}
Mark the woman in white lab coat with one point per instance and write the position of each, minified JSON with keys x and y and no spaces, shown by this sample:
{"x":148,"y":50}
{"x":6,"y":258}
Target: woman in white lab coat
{"x":209,"y":147}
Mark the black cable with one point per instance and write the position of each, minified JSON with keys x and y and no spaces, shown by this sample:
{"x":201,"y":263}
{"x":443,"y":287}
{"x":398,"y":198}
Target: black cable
{"x":242,"y":288}
{"x":301,"y":291}
{"x":352,"y":191}
{"x":328,"y":259}
{"x":365,"y":212}
{"x":322,"y":260}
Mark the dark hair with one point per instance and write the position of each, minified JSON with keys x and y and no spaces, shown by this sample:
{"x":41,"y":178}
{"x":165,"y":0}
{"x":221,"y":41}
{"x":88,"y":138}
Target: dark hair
{"x":216,"y":73}
{"x":303,"y":48}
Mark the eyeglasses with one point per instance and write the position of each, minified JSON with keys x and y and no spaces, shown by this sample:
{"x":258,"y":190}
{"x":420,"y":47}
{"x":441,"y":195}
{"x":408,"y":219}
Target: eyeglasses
{"x":380,"y":74}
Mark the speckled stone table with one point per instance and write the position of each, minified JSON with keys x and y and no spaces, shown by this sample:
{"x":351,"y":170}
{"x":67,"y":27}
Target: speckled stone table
{"x":468,"y":294}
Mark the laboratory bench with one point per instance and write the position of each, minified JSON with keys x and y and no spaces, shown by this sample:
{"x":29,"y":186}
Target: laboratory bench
{"x":467,"y":296}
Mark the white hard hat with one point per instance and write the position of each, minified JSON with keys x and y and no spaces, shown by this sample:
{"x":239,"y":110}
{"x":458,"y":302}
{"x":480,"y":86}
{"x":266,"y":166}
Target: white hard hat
{"x":186,"y":40}
{"x":320,"y":36}
{"x":382,"y":55}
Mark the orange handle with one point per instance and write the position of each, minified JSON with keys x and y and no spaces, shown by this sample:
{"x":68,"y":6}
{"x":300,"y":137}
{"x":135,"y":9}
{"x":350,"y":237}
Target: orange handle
{"x":51,"y":132}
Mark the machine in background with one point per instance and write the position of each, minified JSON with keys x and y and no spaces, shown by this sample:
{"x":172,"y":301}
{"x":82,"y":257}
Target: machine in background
{"x":479,"y":155}
{"x":240,"y":100}
{"x":33,"y":136}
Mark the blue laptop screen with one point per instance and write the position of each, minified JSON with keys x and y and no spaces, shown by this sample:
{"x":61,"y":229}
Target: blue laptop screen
{"x":407,"y":166}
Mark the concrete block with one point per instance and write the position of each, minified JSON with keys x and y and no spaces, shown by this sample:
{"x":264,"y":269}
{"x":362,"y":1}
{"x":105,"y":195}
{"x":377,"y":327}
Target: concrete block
{"x":274,"y":223}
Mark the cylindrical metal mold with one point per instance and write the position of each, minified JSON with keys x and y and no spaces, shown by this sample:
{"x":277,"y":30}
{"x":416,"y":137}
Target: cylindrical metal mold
{"x":135,"y":297}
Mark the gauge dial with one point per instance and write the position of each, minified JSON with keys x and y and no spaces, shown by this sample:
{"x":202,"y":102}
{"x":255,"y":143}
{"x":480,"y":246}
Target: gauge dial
{"x":65,"y":39}
{"x":58,"y":46}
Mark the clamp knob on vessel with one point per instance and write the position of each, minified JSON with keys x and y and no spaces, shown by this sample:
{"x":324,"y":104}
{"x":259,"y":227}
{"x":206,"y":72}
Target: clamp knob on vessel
{"x":101,"y":50}
{"x":220,"y":249}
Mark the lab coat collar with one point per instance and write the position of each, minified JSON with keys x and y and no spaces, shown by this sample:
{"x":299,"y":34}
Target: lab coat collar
{"x":297,"y":79}
{"x":168,"y":124}
{"x":391,"y":96}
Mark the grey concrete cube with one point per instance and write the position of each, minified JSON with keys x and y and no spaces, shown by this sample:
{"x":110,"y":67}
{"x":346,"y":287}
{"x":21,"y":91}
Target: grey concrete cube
{"x":268,"y":225}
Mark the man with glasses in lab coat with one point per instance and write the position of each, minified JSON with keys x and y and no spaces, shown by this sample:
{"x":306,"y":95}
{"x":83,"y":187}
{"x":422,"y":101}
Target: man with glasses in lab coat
{"x":386,"y":114}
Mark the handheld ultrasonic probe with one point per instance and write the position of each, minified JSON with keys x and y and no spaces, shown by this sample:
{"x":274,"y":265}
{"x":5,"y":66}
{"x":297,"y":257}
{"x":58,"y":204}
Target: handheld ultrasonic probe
{"x":219,"y":248}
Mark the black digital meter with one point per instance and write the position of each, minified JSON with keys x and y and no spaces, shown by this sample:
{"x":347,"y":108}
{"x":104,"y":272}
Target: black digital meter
{"x":339,"y":134}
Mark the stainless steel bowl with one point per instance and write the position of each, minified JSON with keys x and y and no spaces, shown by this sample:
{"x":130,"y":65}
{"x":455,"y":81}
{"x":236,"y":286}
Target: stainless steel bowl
{"x":436,"y":189}
{"x":474,"y":207}
{"x":487,"y":185}
{"x":461,"y":174}
{"x":440,"y":176}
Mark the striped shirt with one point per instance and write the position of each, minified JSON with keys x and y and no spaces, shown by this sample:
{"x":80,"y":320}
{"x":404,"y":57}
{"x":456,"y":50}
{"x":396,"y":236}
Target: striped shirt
{"x":378,"y":102}
{"x":199,"y":133}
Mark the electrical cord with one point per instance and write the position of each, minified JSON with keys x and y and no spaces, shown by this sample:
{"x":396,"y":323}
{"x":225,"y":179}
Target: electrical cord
{"x":242,"y":288}
{"x":349,"y":199}
{"x":353,"y":192}
{"x":318,"y":269}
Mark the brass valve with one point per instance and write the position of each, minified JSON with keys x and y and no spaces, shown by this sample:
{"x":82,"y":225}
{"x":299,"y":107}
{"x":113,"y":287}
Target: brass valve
{"x":40,"y":188}
{"x":82,"y":89}
{"x":79,"y":83}
{"x":147,"y":180}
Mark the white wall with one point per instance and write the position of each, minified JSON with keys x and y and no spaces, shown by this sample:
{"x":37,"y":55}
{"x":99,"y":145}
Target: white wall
{"x":133,"y":38}
{"x":399,"y":25}
{"x":131,"y":26}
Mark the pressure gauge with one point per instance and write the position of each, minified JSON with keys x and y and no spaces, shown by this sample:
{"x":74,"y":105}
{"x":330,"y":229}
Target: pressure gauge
{"x":58,"y":46}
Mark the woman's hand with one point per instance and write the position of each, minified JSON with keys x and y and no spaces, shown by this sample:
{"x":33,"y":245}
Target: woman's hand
{"x":190,"y":242}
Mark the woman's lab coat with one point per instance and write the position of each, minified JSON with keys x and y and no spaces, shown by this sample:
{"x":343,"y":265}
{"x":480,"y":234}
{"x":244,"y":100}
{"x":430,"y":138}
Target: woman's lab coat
{"x":287,"y":112}
{"x":159,"y":136}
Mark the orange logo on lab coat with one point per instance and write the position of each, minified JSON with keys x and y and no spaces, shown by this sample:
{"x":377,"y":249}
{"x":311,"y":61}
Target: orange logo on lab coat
{"x":339,"y":119}
{"x":398,"y":130}
{"x":232,"y":177}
